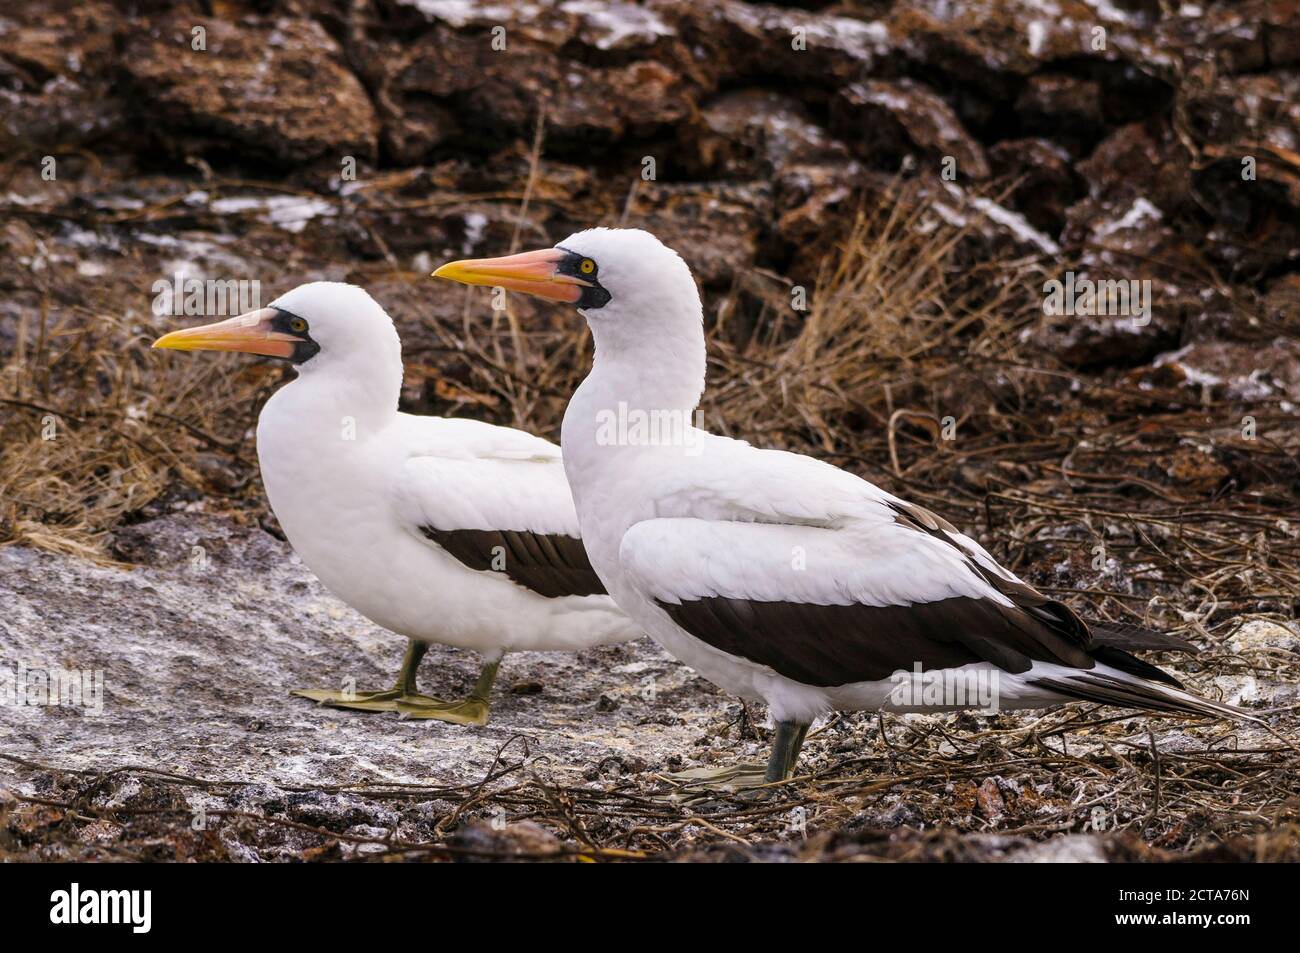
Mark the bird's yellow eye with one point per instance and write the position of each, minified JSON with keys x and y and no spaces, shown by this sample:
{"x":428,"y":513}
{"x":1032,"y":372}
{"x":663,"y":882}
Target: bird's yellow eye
{"x":298,"y":325}
{"x":587,"y":266}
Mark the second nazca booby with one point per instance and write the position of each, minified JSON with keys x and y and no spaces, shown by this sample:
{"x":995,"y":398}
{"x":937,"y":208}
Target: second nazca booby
{"x":781,"y":578}
{"x":440,"y":529}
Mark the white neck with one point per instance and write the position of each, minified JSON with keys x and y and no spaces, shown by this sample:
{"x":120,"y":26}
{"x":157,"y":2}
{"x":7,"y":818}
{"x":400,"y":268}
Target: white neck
{"x":640,"y":367}
{"x":361,"y":394}
{"x":663,"y":371}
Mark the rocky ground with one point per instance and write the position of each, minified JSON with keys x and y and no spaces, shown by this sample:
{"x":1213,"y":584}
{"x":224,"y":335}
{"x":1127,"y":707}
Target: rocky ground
{"x":919,"y":167}
{"x":198,"y":653}
{"x":191,"y":749}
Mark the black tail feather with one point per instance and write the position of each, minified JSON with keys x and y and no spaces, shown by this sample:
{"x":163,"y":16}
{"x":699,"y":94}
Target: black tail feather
{"x":1129,"y":637}
{"x":1112,"y":690}
{"x":1121,"y":660}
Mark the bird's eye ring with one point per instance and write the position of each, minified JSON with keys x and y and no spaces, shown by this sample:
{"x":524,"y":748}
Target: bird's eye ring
{"x":587,"y":266}
{"x":298,"y":325}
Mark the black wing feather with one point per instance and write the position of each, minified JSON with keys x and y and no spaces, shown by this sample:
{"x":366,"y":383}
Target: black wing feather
{"x":551,"y":565}
{"x":828,"y":645}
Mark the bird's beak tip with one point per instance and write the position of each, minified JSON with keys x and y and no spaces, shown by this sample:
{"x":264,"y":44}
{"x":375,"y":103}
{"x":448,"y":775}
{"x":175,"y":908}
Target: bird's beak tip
{"x":454,"y":271}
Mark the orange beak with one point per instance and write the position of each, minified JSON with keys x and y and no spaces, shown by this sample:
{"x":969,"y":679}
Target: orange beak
{"x":532,"y":272}
{"x":250,"y":333}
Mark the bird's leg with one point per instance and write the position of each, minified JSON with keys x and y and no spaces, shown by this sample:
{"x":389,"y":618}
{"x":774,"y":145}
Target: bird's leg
{"x":743,"y":778}
{"x":785,"y":750}
{"x":472,"y":711}
{"x":403,"y":689}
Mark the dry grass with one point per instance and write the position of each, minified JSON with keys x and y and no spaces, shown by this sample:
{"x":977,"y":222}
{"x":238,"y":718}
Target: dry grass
{"x":896,"y":313}
{"x":95,"y":427}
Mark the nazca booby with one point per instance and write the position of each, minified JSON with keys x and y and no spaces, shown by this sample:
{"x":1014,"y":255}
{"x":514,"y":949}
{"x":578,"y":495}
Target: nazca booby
{"x":779,"y":577}
{"x":439,"y":529}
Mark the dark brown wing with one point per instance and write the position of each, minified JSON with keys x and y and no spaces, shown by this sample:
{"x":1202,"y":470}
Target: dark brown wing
{"x":549,"y":565}
{"x":1137,"y":638}
{"x":1056,"y":615}
{"x":827,"y":645}
{"x":835,"y":645}
{"x":1110,"y":643}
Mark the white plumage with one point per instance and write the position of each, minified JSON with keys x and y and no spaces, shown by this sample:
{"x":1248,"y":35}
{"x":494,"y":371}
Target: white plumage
{"x":780,"y":578}
{"x":358,"y":487}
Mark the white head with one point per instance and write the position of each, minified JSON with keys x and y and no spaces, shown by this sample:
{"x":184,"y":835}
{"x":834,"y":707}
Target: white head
{"x":637,"y":295}
{"x":324,"y":328}
{"x":643,"y":276}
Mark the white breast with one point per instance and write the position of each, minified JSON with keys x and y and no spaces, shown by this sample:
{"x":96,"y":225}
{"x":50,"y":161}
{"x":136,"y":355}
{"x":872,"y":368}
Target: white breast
{"x":334,"y":498}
